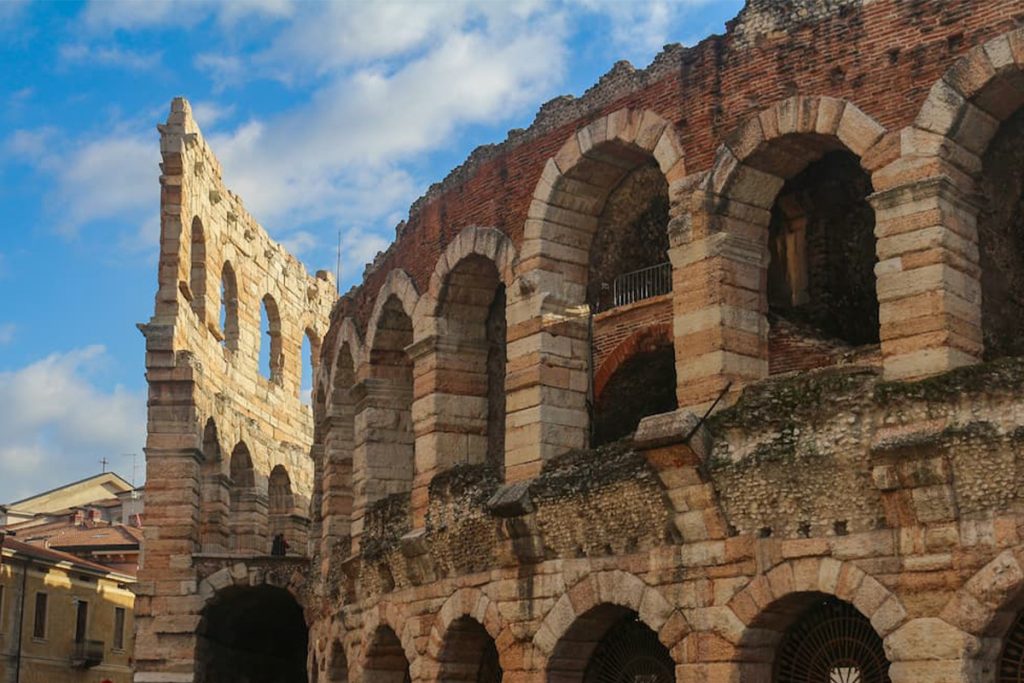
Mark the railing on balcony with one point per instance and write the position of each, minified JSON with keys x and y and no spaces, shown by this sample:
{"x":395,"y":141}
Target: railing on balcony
{"x":86,"y":653}
{"x":642,"y":284}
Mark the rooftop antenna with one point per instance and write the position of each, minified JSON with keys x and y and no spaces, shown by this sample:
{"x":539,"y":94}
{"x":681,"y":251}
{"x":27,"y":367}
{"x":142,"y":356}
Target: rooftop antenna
{"x":134,"y":457}
{"x":104,"y":462}
{"x":337,"y":273}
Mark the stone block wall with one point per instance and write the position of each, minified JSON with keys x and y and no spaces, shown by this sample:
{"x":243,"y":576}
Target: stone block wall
{"x":218,"y":423}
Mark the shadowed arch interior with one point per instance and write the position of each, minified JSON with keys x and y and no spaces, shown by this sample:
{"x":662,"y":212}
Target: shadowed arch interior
{"x":385,"y":659}
{"x":472,"y":358}
{"x":215,"y":493}
{"x":229,"y":307}
{"x":469,"y":654}
{"x":252,"y":635}
{"x":248,"y":504}
{"x":271,"y":327}
{"x":337,"y":665}
{"x":608,"y":644}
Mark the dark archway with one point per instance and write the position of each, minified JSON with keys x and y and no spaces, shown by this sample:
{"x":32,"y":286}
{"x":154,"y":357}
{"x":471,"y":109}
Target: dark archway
{"x":644,"y":384}
{"x":337,"y":665}
{"x":821,"y":277}
{"x":215,"y":494}
{"x":1011,"y":659}
{"x":469,"y":654}
{"x":610,"y":644}
{"x":229,"y":307}
{"x":385,"y":659}
{"x":197,"y":270}
{"x":252,"y":635}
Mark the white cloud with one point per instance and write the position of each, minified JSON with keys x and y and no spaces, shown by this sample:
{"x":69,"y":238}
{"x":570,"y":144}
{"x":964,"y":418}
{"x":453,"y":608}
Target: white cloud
{"x":209,"y":113}
{"x":111,"y":56}
{"x":57,"y":424}
{"x":639,"y":30}
{"x":109,"y":177}
{"x":137,"y":14}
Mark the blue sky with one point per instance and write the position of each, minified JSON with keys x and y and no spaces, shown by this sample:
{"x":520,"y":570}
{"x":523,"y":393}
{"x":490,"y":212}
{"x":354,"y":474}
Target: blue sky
{"x":326,"y":117}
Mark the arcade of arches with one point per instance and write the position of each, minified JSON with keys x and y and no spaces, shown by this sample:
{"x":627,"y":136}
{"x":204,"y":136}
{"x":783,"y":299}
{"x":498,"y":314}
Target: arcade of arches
{"x":711,"y":375}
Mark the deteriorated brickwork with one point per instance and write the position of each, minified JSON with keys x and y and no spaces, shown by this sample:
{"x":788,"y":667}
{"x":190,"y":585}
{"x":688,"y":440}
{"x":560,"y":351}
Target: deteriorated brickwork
{"x":838,"y":173}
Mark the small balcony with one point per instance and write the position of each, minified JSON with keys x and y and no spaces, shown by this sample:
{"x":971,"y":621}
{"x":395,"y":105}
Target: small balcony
{"x":634,"y":286}
{"x":86,"y":654}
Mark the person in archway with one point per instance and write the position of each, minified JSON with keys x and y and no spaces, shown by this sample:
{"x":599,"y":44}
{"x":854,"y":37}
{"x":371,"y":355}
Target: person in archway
{"x":279,"y":546}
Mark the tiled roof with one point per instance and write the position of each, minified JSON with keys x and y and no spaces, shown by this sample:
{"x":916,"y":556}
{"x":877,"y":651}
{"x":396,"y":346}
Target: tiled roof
{"x":55,"y":556}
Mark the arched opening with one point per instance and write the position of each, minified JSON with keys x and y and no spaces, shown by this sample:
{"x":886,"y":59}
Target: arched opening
{"x":629,"y":251}
{"x":387,"y":408}
{"x":229,"y":307}
{"x":337,"y":666}
{"x":310,"y":355}
{"x":822,"y":299}
{"x":215,"y":494}
{"x":285,"y":537}
{"x":1001,"y":241}
{"x":638,"y":388}
{"x":628,"y":276}
{"x":813,"y":637}
{"x":385,"y":659}
{"x":248,"y":505}
{"x":272,"y":353}
{"x":1011,"y":659}
{"x":469,"y":654}
{"x":197,"y":271}
{"x":471,"y":361}
{"x":336,"y":498}
{"x":609,"y":644}
{"x":252,"y":635}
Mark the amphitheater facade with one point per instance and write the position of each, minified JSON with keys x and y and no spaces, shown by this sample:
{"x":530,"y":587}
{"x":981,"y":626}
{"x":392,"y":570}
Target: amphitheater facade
{"x":712,"y":374}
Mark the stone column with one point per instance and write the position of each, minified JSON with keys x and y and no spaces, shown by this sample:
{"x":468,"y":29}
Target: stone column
{"x":719,"y":296}
{"x":449,"y":410}
{"x":382,"y":462}
{"x":929,"y":292}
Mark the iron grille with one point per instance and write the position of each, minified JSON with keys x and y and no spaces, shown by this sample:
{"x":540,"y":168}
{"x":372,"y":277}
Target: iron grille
{"x":832,"y":642}
{"x":642,"y":284}
{"x":1011,"y":662}
{"x":630,"y":653}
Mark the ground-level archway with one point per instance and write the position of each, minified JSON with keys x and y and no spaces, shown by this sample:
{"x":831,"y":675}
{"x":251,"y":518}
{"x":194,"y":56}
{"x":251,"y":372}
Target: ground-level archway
{"x":252,"y":634}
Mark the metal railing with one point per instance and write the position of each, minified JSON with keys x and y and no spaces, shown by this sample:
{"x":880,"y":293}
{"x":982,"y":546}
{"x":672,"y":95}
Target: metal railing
{"x":642,"y":284}
{"x":86,"y":653}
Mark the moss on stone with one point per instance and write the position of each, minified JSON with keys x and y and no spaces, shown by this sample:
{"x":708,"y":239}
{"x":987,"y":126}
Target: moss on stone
{"x":1005,"y":374}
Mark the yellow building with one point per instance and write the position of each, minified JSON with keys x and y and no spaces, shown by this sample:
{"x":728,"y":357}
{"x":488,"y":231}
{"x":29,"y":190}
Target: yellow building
{"x":62,"y":619}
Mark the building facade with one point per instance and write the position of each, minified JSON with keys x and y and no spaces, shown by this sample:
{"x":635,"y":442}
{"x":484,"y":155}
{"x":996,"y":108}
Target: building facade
{"x":711,"y":374}
{"x":63,"y":619}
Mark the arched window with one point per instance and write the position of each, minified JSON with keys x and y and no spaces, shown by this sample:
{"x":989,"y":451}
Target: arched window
{"x":821,"y":278}
{"x":229,"y":307}
{"x":197,"y":273}
{"x":248,"y":505}
{"x":469,"y":654}
{"x":310,"y":362}
{"x":385,"y":659}
{"x":272,"y":353}
{"x":285,"y":522}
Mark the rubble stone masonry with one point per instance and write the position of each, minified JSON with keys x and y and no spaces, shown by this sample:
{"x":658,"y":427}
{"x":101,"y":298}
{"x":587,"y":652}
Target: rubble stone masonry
{"x":450,"y":515}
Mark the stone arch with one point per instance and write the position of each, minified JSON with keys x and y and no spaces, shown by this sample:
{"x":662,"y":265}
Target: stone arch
{"x":382,"y":619}
{"x":197,"y":270}
{"x":553,"y":267}
{"x":461,"y":342}
{"x":984,"y":610}
{"x":337,"y":663}
{"x":645,"y":359}
{"x":616,"y":589}
{"x":214,"y":492}
{"x":752,"y":624}
{"x":971,"y":129}
{"x":397,"y":284}
{"x":722,"y":335}
{"x":308,"y":367}
{"x":251,"y":631}
{"x":287,"y":522}
{"x":458,"y":636}
{"x":228,"y":323}
{"x":347,"y":334}
{"x":489,"y":243}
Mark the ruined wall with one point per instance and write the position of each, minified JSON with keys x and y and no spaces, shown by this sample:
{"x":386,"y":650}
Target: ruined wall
{"x":209,"y":399}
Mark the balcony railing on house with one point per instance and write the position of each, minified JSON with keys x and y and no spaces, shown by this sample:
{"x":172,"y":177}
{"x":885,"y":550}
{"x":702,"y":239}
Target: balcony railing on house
{"x":86,"y":654}
{"x":641,"y":284}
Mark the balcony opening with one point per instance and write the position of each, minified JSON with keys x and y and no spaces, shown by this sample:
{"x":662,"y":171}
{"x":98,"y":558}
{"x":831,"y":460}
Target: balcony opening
{"x":821,"y":282}
{"x":1001,"y":241}
{"x":629,"y":252}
